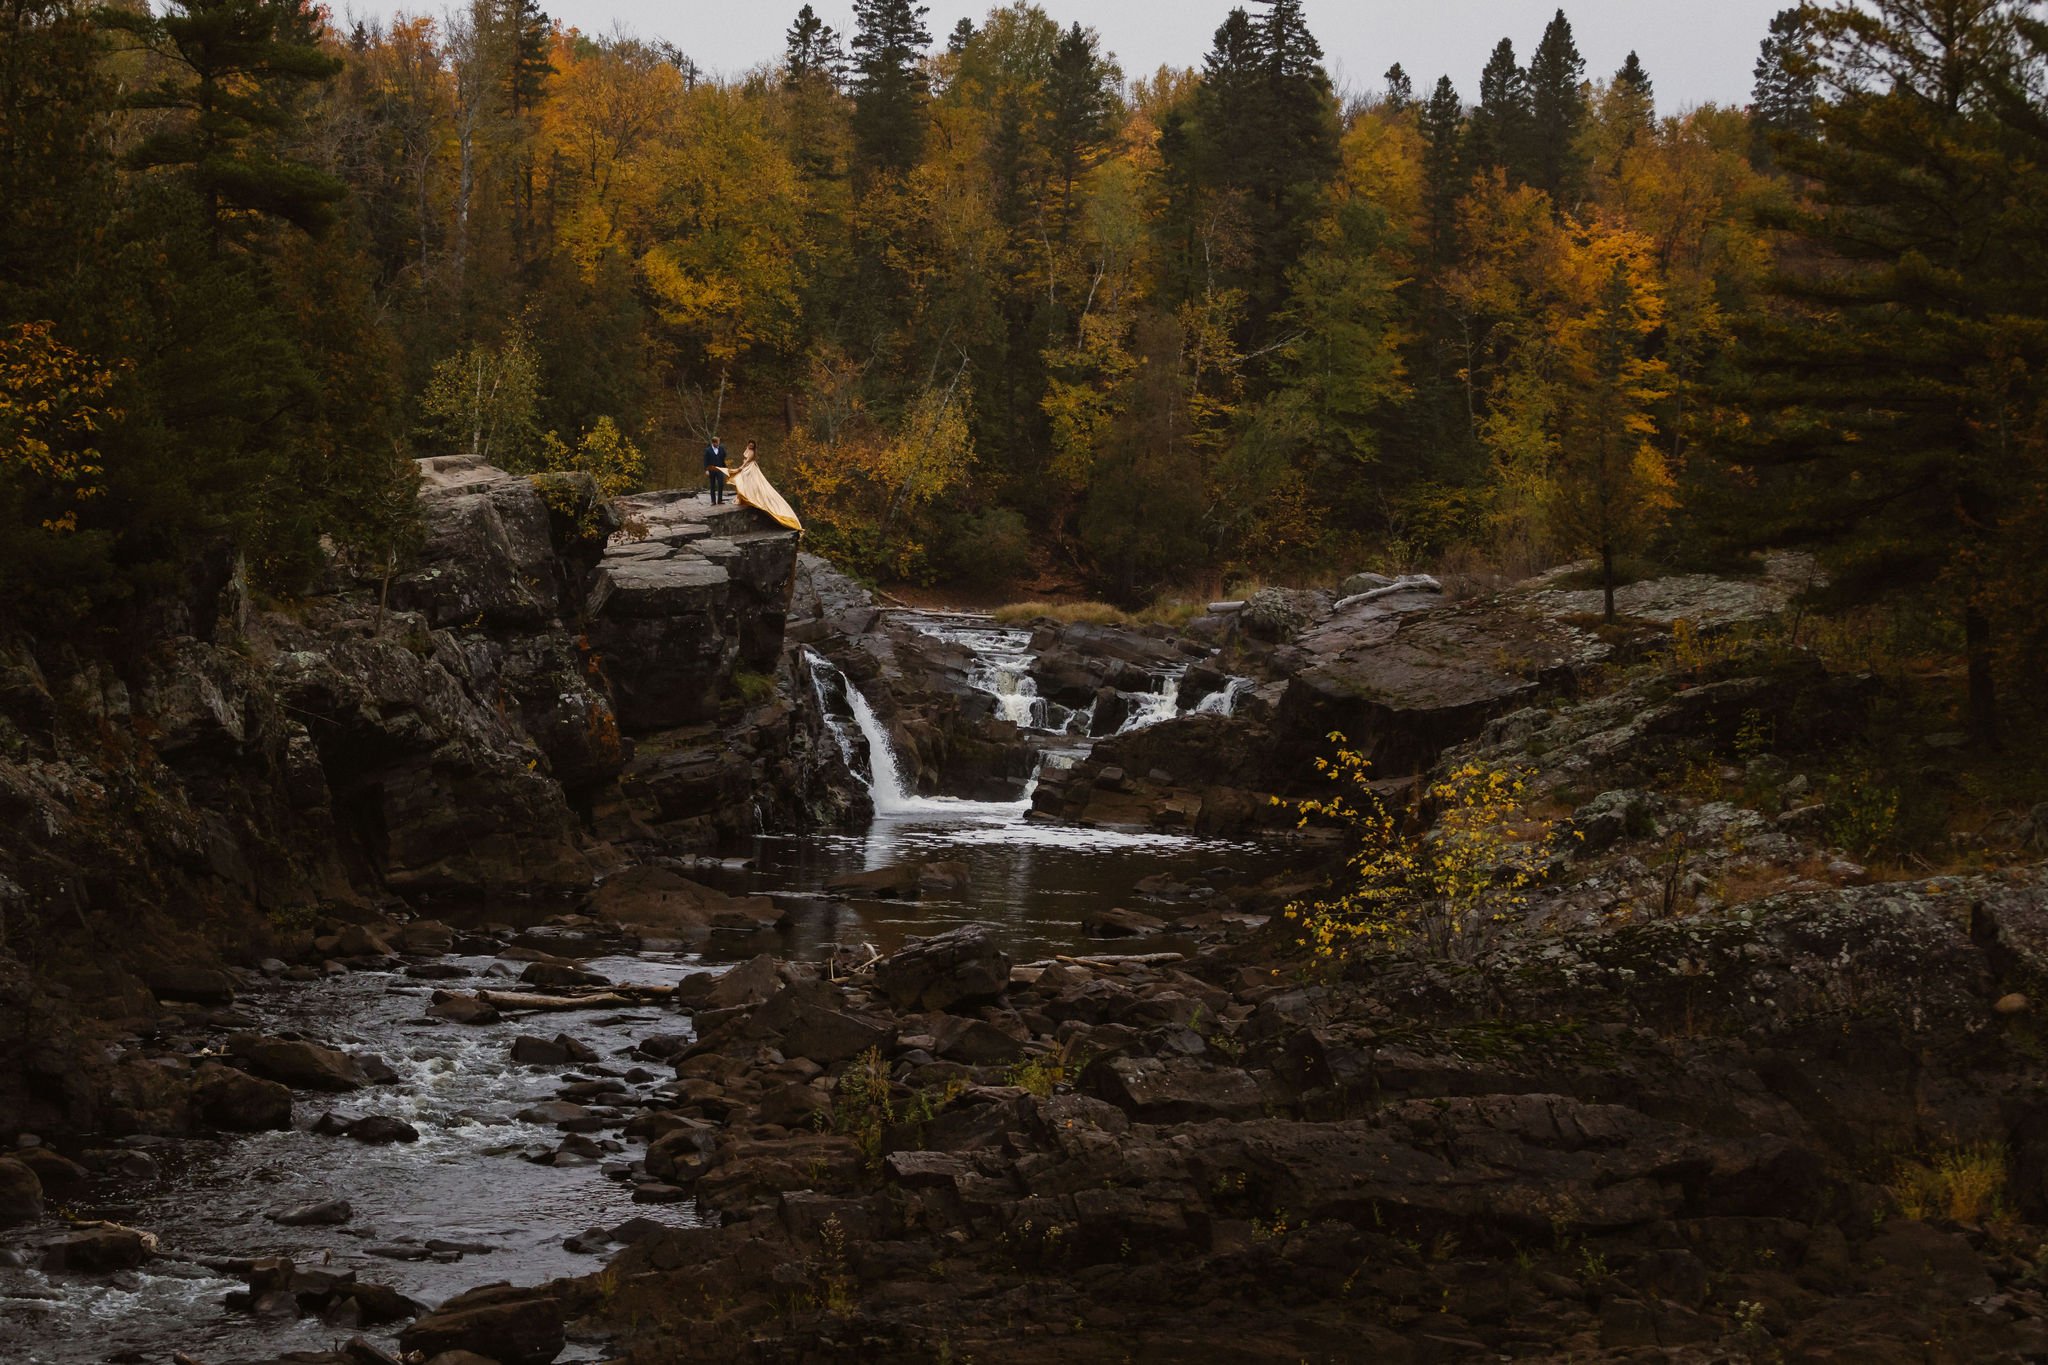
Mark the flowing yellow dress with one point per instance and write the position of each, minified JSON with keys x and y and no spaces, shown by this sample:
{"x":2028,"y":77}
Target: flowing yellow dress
{"x":754,"y":490}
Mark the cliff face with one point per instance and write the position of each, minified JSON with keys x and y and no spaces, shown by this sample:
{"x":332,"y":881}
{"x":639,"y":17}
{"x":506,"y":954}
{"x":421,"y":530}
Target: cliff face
{"x":533,"y":697}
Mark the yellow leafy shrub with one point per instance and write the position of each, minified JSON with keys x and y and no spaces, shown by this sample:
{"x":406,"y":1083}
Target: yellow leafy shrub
{"x":1436,"y":889}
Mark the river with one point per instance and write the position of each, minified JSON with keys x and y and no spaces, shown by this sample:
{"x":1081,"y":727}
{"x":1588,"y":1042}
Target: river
{"x":467,"y":1203}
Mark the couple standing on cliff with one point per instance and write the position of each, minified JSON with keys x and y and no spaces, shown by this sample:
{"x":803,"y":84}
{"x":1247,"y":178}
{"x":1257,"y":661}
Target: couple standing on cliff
{"x":749,"y":484}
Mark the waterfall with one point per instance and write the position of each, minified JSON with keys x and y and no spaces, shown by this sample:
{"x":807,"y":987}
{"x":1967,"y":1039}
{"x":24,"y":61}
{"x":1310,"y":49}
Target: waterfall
{"x":1223,"y":701}
{"x":1149,"y":708}
{"x":884,"y":774}
{"x":885,"y":781}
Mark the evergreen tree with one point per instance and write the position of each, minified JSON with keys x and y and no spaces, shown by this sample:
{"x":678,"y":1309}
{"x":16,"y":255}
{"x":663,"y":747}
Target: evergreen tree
{"x":1635,"y":78}
{"x":1629,"y":106}
{"x":1499,"y":130}
{"x":1400,"y":90}
{"x":1080,"y":100}
{"x":1443,"y":118}
{"x":527,"y":34}
{"x":1782,"y":102}
{"x":1557,"y":111}
{"x":889,"y":84}
{"x":960,"y":37}
{"x":233,"y":71}
{"x":1882,"y":396}
{"x":813,"y":54}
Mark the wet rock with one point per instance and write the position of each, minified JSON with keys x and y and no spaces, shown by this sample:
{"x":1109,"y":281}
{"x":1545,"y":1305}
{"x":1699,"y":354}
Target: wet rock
{"x":964,"y":966}
{"x":529,"y":1050}
{"x":301,"y":1065}
{"x":655,"y":1193}
{"x":21,"y":1193}
{"x":900,"y":882}
{"x":97,"y":1250}
{"x":509,"y":1325}
{"x":427,"y":936}
{"x":196,"y":985}
{"x":657,"y":901}
{"x":463,"y":1009}
{"x":1120,"y":923}
{"x":553,"y":1113}
{"x":359,"y":940}
{"x":590,"y":1242}
{"x":322,"y":1213}
{"x":53,"y":1171}
{"x":461,"y":1358}
{"x":235,"y":1100}
{"x":380,"y":1130}
{"x":558,"y":976}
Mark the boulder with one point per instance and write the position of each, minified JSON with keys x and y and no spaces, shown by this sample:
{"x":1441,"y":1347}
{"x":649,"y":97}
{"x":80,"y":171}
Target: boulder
{"x":99,"y":1249}
{"x":1120,"y":923}
{"x":558,"y":976}
{"x":359,"y":940}
{"x":426,"y":937}
{"x":657,"y":901}
{"x":320,"y":1213}
{"x":195,"y":985}
{"x":241,"y":1103}
{"x":299,"y":1064}
{"x":503,"y":1323}
{"x":806,"y":1026}
{"x":54,"y":1171}
{"x":462,"y":1009}
{"x":21,"y":1193}
{"x":527,"y":1050}
{"x":964,"y":966}
{"x":381,"y":1129}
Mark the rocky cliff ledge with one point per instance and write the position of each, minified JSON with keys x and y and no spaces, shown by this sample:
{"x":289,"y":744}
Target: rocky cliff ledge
{"x":555,"y":680}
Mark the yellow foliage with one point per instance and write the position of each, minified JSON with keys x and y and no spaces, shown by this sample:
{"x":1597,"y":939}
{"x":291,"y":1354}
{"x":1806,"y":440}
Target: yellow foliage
{"x":1439,"y":889}
{"x":50,"y":406}
{"x":1962,"y":1185}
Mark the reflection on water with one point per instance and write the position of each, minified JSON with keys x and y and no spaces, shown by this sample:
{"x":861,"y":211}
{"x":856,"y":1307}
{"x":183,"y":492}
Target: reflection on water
{"x":1032,"y":883}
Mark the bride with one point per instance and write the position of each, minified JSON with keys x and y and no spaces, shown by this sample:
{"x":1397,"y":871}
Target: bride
{"x":754,"y":490}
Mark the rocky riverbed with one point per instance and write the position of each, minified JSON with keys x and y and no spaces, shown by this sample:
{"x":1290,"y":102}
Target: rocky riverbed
{"x":627,"y":938}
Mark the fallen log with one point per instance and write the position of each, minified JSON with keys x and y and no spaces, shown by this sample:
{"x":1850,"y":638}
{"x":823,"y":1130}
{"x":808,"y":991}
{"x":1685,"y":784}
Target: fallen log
{"x":517,"y":1000}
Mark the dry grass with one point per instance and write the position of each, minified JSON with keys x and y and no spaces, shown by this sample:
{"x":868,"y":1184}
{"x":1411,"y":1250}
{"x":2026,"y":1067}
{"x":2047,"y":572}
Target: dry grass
{"x":1162,"y":613}
{"x":1962,"y":1185}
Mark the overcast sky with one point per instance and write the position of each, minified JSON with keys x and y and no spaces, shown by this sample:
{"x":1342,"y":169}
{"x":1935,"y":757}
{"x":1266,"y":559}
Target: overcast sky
{"x":1696,"y":50}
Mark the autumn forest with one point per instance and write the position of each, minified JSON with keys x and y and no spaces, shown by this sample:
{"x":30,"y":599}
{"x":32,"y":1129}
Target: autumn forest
{"x":1003,"y":314}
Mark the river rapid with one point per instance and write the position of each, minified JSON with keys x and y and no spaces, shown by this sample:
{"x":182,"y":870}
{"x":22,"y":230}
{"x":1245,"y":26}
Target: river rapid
{"x":485,"y":1195}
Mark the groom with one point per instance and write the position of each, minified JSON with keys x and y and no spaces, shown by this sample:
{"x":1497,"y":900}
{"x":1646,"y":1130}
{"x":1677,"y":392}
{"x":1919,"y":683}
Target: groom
{"x":714,"y":469}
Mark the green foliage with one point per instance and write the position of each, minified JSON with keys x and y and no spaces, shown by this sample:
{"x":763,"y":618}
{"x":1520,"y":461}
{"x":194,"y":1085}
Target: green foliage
{"x":484,"y":400}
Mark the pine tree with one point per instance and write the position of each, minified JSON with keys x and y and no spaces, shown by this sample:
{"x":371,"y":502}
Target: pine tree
{"x":1787,"y":86}
{"x":527,"y":33}
{"x":1499,"y":130}
{"x":813,"y":54}
{"x":1400,"y":90}
{"x":1443,"y":118}
{"x":1557,"y":110}
{"x":889,"y":84}
{"x":1882,"y":395}
{"x":234,"y":71}
{"x":960,"y":37}
{"x":1080,"y":98}
{"x":1629,"y":106}
{"x":1611,"y":483}
{"x":1297,"y":126}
